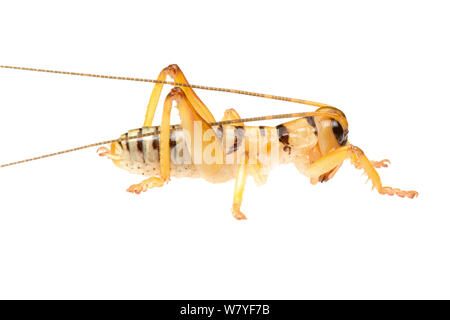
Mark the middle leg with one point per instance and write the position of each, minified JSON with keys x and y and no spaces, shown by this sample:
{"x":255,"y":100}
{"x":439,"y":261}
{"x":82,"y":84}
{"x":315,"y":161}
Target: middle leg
{"x":241,"y":176}
{"x":244,"y":169}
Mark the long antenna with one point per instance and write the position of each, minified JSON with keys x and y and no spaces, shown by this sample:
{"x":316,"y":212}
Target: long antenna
{"x":58,"y":153}
{"x":247,"y":93}
{"x":262,"y":118}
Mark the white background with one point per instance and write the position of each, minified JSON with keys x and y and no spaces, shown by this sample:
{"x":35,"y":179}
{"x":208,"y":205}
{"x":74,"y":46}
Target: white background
{"x":68,"y":229}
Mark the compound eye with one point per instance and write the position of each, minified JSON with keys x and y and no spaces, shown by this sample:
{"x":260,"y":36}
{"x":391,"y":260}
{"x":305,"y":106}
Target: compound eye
{"x":339,"y":133}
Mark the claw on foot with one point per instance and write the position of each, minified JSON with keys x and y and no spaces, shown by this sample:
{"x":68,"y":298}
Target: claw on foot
{"x":138,"y":188}
{"x":103,"y":151}
{"x":401,"y":193}
{"x":237,"y":214}
{"x":145,"y":185}
{"x":376,"y":164}
{"x":381,"y":164}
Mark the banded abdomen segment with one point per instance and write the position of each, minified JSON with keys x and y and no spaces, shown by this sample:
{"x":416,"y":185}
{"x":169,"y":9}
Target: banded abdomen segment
{"x":139,"y":152}
{"x":139,"y":148}
{"x":234,"y":138}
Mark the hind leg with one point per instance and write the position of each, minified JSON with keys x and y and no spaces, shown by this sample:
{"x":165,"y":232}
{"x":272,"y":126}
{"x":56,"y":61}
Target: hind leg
{"x":191,"y":121}
{"x":195,"y":128}
{"x":177,"y":75}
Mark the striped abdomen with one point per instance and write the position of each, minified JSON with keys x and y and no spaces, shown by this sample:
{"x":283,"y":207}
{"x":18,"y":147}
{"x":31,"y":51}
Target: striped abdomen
{"x":139,"y":149}
{"x":139,"y":152}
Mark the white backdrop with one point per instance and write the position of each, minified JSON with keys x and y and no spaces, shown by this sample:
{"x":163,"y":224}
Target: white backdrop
{"x":68,"y":229}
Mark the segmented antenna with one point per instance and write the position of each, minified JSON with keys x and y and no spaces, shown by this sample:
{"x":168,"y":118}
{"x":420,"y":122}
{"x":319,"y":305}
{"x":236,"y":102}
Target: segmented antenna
{"x":58,"y":153}
{"x":247,"y":93}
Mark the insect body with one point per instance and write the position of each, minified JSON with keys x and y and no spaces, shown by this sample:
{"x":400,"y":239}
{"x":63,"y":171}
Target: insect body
{"x":200,"y":147}
{"x":142,"y":155}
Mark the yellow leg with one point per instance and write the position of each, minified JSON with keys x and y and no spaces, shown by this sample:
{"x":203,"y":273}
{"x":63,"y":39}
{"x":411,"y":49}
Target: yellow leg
{"x":164,"y":136}
{"x":154,"y":98}
{"x":146,"y":184}
{"x":329,"y":175}
{"x":189,"y":117}
{"x":238,"y":192}
{"x":359,"y":160}
{"x":231,"y":114}
{"x":177,"y":75}
{"x":164,"y":153}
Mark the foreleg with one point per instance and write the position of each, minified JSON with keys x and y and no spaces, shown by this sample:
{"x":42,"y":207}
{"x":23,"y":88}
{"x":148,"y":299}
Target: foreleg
{"x":360,"y":161}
